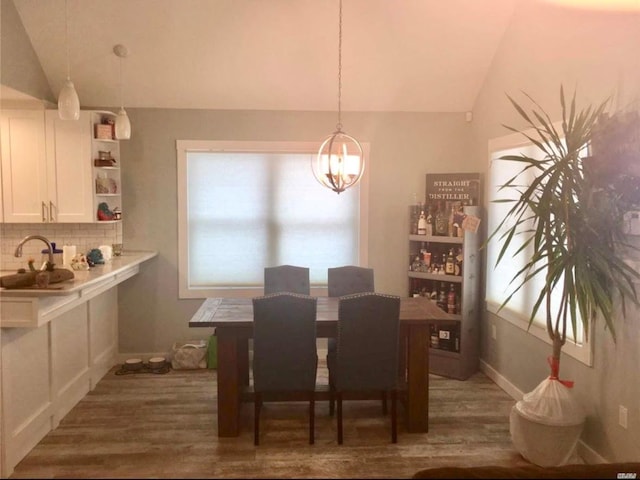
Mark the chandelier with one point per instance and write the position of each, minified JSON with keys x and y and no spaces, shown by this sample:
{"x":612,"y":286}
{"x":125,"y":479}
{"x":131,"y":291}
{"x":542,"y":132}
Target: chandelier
{"x":340,"y":160}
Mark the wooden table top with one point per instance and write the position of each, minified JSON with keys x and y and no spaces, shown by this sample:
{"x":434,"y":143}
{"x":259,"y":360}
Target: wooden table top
{"x":221,"y":312}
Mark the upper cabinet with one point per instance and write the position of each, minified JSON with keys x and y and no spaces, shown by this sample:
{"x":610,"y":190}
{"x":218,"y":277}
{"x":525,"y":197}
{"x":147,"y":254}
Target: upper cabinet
{"x":68,"y":167}
{"x":48,"y":173}
{"x":24,"y":167}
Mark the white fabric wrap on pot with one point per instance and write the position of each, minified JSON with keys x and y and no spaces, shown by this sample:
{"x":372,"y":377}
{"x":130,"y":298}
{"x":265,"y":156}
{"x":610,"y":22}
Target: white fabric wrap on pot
{"x":547,"y":423}
{"x":551,"y":403}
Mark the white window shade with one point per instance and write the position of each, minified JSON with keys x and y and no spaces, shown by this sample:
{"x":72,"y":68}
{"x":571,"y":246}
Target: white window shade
{"x":245,"y":210}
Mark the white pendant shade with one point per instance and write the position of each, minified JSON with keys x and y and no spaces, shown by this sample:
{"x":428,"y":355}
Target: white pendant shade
{"x":68,"y":102}
{"x":123,"y":125}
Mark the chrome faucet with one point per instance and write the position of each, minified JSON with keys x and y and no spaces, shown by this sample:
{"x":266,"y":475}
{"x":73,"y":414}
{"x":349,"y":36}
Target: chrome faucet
{"x":18,"y":252}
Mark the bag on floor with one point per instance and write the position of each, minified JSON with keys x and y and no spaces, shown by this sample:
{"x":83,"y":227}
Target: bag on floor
{"x":189,"y":356}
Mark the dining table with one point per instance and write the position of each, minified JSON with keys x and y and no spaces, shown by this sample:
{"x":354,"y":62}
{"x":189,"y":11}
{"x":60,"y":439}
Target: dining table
{"x":232,"y":319}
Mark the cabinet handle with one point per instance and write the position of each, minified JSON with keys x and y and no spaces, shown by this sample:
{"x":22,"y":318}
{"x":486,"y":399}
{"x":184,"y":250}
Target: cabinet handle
{"x":44,"y":213}
{"x":51,"y":207}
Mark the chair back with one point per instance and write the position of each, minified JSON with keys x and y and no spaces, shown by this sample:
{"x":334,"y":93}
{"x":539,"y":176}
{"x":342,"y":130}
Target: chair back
{"x":284,"y":343}
{"x":286,"y":278}
{"x":348,"y":280}
{"x":367,"y":343}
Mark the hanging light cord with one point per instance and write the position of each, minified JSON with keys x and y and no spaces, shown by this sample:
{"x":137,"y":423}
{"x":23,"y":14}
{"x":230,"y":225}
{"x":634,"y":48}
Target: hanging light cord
{"x":121,"y":96}
{"x":66,"y":35}
{"x":339,"y":125}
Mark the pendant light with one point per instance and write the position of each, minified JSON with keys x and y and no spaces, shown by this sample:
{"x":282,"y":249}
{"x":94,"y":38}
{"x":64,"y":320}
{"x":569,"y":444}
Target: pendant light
{"x":123,"y":125}
{"x":68,"y":101}
{"x":340,"y":160}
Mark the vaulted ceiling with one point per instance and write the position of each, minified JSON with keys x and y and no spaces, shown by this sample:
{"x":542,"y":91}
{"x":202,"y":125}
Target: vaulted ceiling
{"x":397,"y":55}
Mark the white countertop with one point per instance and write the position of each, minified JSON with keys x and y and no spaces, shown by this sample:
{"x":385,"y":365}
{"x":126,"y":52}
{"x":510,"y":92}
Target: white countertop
{"x":84,"y":279}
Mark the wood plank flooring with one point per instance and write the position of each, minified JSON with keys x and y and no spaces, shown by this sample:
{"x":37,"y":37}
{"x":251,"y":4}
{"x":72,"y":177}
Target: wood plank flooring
{"x":165,"y":426}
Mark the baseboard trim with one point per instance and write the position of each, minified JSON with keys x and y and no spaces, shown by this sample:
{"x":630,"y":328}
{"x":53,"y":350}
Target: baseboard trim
{"x":513,"y":391}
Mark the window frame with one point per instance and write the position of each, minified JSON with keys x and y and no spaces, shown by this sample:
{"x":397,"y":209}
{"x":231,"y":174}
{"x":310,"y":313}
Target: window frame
{"x":581,"y":352}
{"x":185,"y":146}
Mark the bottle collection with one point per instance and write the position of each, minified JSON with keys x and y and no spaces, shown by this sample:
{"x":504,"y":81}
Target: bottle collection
{"x":447,"y":295}
{"x":440,"y":259}
{"x":439,"y":218}
{"x":445,"y":336}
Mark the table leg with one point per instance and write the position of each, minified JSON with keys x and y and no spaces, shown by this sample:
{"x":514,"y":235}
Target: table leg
{"x":418,"y":379}
{"x":228,"y":385}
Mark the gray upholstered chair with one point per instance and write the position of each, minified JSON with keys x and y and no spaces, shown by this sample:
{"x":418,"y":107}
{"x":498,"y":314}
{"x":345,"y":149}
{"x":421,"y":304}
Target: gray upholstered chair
{"x":346,"y":280}
{"x":286,"y":278}
{"x":367,"y":350}
{"x":285,"y":358}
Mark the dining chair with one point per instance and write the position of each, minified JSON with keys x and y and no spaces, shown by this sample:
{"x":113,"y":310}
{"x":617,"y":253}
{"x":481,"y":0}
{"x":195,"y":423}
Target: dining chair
{"x":346,"y":280}
{"x":286,"y":278}
{"x":367,"y":350}
{"x":285,"y":358}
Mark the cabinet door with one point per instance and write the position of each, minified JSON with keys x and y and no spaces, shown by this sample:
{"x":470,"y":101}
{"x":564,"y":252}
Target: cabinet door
{"x":24,"y":170}
{"x":69,"y":168}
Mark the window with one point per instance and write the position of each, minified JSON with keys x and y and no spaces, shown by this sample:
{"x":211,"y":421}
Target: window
{"x":498,"y":278}
{"x":247,"y":205}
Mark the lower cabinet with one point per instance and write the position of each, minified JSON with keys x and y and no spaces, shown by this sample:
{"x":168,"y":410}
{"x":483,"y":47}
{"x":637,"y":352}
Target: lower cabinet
{"x":47,"y":370}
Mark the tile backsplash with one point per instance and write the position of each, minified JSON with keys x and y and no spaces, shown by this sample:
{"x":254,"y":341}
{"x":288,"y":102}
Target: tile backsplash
{"x":84,"y":236}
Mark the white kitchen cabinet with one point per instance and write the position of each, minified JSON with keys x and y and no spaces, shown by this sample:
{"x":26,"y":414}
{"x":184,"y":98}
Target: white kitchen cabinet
{"x":55,"y":346}
{"x":47,"y":167}
{"x":69,"y":168}
{"x":25,"y":198}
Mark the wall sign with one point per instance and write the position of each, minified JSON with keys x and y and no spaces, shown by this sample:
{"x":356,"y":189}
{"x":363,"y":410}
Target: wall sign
{"x":453,"y":187}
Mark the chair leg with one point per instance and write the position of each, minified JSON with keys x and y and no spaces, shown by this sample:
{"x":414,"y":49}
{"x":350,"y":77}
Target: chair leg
{"x":394,"y":416}
{"x":332,"y":396}
{"x":339,"y":400}
{"x":257,"y":402}
{"x":312,"y":418}
{"x":384,"y":403}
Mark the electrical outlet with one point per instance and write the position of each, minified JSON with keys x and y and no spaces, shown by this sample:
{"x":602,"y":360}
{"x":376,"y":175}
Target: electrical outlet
{"x":622,"y":416}
{"x":494,"y":333}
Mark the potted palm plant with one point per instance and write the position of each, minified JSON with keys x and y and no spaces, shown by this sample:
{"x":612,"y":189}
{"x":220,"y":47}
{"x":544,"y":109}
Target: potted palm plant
{"x":571,"y":221}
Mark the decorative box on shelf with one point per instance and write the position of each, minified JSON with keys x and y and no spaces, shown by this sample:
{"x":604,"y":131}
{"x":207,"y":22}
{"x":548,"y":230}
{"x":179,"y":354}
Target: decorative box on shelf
{"x":104,"y":131}
{"x":104,"y":162}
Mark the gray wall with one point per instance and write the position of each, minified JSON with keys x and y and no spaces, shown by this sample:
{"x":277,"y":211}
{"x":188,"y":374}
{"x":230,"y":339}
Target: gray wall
{"x":597,"y":53}
{"x":404,"y":147}
{"x":21,"y":68}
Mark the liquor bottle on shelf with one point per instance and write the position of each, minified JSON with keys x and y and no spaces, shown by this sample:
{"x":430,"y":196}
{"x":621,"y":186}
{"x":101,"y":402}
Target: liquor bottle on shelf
{"x":442,"y":297}
{"x":416,"y":265}
{"x":426,"y":255}
{"x":458,"y":262}
{"x":449,"y":263}
{"x":429,"y":221}
{"x":415,"y":213}
{"x":441,"y":220}
{"x":451,"y":228}
{"x":422,"y":224}
{"x":451,"y":299}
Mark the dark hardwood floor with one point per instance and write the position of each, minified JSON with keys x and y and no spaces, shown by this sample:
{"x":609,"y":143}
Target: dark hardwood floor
{"x":164,"y":426}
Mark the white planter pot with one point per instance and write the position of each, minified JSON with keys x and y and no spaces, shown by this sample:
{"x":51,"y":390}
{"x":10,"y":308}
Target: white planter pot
{"x":546,"y":424}
{"x":544,"y":445}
